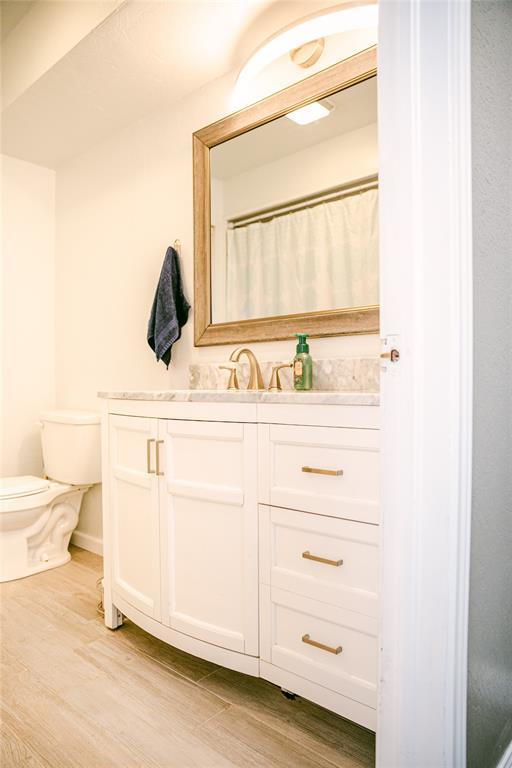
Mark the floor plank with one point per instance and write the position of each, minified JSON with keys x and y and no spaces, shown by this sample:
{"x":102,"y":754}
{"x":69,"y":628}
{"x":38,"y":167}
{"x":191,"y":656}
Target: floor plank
{"x":15,"y":752}
{"x":76,"y":695}
{"x":152,"y":689}
{"x":338,"y":740}
{"x":247,"y":741}
{"x":189,"y":666}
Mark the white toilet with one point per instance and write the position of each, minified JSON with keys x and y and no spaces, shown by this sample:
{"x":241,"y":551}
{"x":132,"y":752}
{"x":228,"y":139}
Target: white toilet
{"x":38,"y":515}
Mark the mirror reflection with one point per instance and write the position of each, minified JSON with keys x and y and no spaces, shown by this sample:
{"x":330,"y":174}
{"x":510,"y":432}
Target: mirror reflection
{"x":294,"y":211}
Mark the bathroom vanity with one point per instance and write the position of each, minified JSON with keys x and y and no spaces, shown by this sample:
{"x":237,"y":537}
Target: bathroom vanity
{"x":243,"y":527}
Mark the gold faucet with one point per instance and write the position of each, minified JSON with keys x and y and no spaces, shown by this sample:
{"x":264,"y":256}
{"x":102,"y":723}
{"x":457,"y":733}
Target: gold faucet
{"x":275,"y":381}
{"x":233,"y":380}
{"x":255,"y":377}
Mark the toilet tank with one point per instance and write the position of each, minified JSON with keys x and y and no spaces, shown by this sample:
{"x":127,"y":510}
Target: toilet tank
{"x":71,"y":446}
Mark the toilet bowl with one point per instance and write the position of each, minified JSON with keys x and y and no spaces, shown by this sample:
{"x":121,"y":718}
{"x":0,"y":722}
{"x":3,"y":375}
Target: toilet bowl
{"x":38,"y":515}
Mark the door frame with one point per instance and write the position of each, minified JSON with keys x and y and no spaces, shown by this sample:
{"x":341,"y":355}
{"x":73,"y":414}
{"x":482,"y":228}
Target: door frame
{"x":426,"y":312}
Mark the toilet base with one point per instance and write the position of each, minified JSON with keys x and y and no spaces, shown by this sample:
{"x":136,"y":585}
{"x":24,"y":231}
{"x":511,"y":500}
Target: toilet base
{"x":32,"y":570}
{"x":41,"y":541}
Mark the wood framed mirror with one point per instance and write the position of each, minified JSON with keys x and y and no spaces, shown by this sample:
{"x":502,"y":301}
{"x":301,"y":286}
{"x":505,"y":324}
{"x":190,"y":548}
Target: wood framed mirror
{"x":285,"y":213}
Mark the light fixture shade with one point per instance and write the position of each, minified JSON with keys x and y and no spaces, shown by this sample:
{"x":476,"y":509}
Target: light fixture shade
{"x":324,"y":25}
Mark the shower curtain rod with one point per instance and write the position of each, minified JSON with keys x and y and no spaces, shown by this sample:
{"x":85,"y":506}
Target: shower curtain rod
{"x":302,"y":203}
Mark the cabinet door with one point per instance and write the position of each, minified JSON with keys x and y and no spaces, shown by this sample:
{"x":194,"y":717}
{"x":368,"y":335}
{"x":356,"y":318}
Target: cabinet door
{"x":208,"y":504}
{"x":134,"y":512}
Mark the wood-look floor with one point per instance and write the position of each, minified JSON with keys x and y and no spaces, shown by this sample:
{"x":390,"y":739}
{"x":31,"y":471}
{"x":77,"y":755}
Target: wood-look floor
{"x":76,"y":695}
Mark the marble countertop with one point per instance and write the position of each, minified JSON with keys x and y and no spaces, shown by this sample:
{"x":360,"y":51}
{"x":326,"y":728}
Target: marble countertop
{"x":315,"y":397}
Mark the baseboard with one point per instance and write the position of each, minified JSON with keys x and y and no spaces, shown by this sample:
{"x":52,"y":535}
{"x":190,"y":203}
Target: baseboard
{"x":86,"y":541}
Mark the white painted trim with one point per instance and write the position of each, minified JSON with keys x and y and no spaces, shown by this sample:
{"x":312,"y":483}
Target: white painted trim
{"x":506,"y":759}
{"x":426,"y":303}
{"x":88,"y":542}
{"x":461,"y":172}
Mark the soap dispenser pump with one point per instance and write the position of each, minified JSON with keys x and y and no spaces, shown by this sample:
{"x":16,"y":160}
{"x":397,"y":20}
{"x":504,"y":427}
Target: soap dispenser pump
{"x":302,"y":365}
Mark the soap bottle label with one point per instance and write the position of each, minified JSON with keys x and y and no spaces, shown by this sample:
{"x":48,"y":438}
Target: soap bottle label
{"x":297,"y":368}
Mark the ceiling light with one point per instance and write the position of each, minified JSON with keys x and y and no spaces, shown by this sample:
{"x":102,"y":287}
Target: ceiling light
{"x":322,"y":25}
{"x":309,"y":113}
{"x":308,"y":54}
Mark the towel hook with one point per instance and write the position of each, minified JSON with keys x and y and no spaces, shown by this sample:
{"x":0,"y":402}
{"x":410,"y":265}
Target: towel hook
{"x":177,"y":247}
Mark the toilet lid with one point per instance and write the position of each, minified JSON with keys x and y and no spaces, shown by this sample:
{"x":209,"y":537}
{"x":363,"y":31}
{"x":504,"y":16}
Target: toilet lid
{"x":23,"y":485}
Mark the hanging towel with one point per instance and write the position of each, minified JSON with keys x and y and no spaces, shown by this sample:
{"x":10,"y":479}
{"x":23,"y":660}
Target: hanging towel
{"x":170,"y":309}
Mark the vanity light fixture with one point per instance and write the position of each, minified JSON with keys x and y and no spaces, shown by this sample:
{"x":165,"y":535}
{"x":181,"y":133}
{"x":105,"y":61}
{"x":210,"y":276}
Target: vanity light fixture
{"x":314,"y":28}
{"x":311,"y":112}
{"x":308,"y":54}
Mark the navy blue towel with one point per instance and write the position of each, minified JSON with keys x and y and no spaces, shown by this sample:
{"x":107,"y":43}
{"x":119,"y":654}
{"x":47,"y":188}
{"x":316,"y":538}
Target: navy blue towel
{"x":170,"y":309}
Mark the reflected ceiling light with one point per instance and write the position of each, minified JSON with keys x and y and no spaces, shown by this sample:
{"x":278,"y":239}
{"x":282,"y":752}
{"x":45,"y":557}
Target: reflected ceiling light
{"x":310,"y":113}
{"x":324,"y":25}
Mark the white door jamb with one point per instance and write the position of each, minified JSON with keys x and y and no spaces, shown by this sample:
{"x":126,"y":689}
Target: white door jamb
{"x":426,"y":304}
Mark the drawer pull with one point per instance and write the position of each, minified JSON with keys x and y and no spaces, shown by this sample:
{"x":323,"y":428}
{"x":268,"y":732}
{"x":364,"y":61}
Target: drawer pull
{"x":317,"y":471}
{"x":158,"y":472}
{"x":308,"y":556}
{"x":148,"y":456}
{"x":306,"y":639}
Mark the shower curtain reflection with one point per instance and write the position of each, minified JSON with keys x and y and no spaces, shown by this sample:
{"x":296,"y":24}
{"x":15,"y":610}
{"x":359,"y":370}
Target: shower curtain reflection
{"x":319,"y":258}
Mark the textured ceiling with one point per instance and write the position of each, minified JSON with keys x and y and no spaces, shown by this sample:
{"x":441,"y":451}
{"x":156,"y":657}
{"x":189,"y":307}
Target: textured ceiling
{"x":11,"y":13}
{"x":144,"y":55}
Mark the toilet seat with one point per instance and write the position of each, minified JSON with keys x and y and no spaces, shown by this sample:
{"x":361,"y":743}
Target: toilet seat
{"x":23,"y":485}
{"x":30,"y":498}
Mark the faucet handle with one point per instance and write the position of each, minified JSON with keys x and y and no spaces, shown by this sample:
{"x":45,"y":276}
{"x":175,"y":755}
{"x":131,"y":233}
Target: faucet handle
{"x":275,"y":381}
{"x":233,"y":379}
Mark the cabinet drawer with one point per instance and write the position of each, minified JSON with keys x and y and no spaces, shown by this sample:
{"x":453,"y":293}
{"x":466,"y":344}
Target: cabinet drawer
{"x":336,"y":649}
{"x":324,"y":470}
{"x":334,"y":561}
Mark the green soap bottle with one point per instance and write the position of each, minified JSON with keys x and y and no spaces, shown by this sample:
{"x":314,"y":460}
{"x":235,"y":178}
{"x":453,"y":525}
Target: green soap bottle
{"x":302,"y":365}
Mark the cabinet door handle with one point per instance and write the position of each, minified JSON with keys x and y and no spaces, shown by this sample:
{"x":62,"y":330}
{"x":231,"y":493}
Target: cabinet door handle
{"x":148,"y":455}
{"x":308,"y":556}
{"x":157,"y":452}
{"x":306,"y":639}
{"x":317,"y":471}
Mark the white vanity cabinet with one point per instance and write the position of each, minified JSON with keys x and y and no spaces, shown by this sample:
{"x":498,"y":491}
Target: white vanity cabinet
{"x":247,"y":534}
{"x":181,"y":509}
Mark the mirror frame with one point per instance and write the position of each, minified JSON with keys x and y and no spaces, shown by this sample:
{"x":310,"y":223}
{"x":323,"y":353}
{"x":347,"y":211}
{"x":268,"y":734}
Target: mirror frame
{"x":335,"y":322}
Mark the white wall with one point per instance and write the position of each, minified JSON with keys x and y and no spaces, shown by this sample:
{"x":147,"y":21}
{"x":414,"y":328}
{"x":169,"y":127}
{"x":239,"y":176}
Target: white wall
{"x":27,"y":305}
{"x":118,"y":208}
